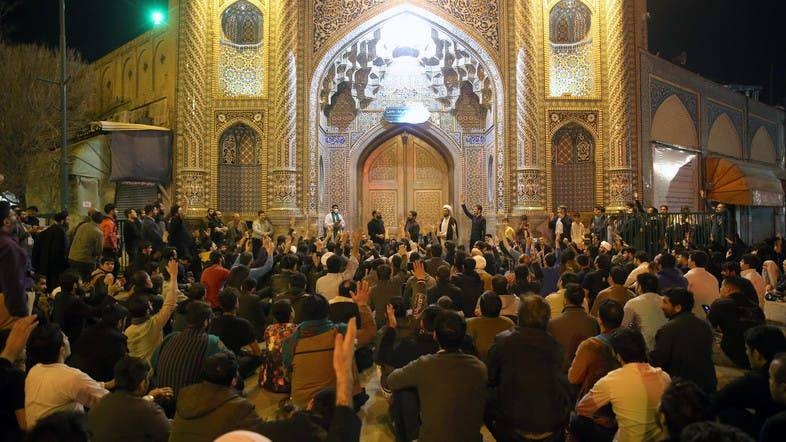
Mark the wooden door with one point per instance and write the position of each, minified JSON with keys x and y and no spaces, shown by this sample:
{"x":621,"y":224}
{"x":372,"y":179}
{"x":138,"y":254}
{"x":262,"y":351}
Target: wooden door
{"x":405,"y":173}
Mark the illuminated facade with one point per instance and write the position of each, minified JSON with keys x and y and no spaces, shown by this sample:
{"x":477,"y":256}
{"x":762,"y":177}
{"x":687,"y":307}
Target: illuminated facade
{"x":280,"y":104}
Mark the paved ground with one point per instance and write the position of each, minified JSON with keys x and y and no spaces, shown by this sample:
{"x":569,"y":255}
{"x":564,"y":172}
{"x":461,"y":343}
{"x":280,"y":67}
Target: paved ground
{"x":376,"y":426}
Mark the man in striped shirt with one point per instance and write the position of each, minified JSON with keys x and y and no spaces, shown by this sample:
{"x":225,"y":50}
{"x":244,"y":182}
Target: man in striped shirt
{"x":178,"y":361}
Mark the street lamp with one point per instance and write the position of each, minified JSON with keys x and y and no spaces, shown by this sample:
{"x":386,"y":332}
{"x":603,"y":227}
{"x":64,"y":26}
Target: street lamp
{"x":157,"y":17}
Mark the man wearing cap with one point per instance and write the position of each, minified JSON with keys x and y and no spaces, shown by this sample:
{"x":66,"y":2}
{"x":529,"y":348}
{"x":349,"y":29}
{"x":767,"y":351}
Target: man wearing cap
{"x":448,"y":228}
{"x":15,"y":278}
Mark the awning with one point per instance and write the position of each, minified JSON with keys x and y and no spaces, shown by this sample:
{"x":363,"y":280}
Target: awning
{"x":740,"y":183}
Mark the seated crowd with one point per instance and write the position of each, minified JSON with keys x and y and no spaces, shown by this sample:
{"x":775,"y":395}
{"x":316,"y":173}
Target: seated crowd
{"x":557,"y":339}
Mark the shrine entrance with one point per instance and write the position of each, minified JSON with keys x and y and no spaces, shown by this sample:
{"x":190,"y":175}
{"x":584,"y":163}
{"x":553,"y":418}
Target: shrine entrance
{"x":404,"y":173}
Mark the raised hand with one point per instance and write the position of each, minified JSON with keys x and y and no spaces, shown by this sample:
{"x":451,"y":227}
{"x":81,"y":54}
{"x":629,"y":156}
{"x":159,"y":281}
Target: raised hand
{"x":343,"y":356}
{"x":419,"y":270}
{"x":391,"y":315}
{"x":172,"y":267}
{"x":363,"y":293}
{"x":17,"y":339}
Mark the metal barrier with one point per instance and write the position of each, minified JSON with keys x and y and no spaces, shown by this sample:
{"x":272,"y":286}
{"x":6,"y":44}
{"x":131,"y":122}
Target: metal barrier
{"x":669,"y":231}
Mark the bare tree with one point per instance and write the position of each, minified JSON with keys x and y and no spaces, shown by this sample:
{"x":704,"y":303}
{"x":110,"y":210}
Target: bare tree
{"x":30,"y":108}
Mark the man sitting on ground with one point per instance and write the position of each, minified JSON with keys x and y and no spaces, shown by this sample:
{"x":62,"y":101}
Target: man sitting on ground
{"x":633,"y":391}
{"x":573,"y":325}
{"x":484,"y":328}
{"x":444,"y":381}
{"x":146,"y":331}
{"x":237,"y":333}
{"x":130,"y":413}
{"x":734,"y":313}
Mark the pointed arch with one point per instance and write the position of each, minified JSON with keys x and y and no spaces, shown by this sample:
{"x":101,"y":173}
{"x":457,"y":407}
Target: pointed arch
{"x":673,"y":124}
{"x":763,"y":148}
{"x":724,"y":138}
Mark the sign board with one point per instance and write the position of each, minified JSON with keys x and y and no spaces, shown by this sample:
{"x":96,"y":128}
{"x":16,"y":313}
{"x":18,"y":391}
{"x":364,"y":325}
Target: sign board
{"x":87,"y":204}
{"x":410,"y":113}
{"x":675,"y":178}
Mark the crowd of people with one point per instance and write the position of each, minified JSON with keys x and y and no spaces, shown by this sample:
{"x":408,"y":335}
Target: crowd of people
{"x":153,"y":328}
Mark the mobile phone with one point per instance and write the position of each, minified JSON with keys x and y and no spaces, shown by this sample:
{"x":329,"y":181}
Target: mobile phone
{"x":706,"y":308}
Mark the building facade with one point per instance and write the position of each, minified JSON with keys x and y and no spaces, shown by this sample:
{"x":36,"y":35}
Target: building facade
{"x":519,"y":106}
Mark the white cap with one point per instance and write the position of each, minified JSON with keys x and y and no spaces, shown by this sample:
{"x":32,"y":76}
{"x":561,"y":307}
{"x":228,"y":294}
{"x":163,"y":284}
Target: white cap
{"x":605,"y":246}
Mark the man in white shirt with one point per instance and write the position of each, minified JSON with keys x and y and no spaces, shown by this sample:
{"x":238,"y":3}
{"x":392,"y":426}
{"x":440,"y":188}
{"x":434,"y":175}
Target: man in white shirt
{"x":644,"y":312}
{"x":146,"y":331}
{"x":634,"y":392}
{"x":642,"y":262}
{"x":52,"y":386}
{"x":748,"y":265}
{"x":334,"y":224}
{"x":703,"y":284}
{"x":327,"y":285}
{"x":260,"y":228}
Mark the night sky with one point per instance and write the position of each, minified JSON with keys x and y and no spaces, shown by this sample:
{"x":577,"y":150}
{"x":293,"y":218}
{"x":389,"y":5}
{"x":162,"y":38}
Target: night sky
{"x":728,"y":41}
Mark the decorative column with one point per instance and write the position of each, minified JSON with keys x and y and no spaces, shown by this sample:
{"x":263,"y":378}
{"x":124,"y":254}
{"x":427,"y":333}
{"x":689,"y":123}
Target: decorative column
{"x":620,"y":81}
{"x":283,"y":144}
{"x":191,"y":170}
{"x":529,"y":194}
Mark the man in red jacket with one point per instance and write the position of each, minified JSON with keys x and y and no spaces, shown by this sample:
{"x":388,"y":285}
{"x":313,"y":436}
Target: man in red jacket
{"x":213,"y":278}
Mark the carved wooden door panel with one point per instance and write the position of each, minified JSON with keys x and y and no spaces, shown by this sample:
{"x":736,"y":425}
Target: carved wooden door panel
{"x":405,"y":173}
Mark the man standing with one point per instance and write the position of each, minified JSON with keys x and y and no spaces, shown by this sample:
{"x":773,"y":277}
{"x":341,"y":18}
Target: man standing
{"x":451,"y":385}
{"x":87,"y":246}
{"x":599,"y":224}
{"x":683,"y":346}
{"x":412,"y":227}
{"x":478,"y":231}
{"x":132,"y":234}
{"x":50,"y":254}
{"x":448,"y":228}
{"x":260,"y":228}
{"x":151,"y":231}
{"x":560,"y":226}
{"x":15,"y":278}
{"x":108,"y":228}
{"x":376,"y":228}
{"x":334,"y":224}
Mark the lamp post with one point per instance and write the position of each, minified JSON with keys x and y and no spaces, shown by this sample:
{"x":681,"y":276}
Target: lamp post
{"x":63,"y":111}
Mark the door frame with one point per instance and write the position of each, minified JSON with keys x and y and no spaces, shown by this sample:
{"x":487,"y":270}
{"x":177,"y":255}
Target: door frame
{"x":445,"y":145}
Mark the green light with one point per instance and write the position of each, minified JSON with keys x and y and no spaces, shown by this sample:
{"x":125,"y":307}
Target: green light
{"x":157,"y":17}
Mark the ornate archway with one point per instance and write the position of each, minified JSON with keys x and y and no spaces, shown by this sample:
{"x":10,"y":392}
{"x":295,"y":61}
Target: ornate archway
{"x":342,"y":146}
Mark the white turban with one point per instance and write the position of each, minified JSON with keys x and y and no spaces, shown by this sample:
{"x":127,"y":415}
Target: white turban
{"x":447,"y":206}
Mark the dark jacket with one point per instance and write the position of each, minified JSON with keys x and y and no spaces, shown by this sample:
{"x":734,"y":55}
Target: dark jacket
{"x":471,"y":287}
{"x":152,"y":232}
{"x":132,"y":236}
{"x":432,"y":264}
{"x":478,"y":231}
{"x":749,"y":392}
{"x":122,"y":416}
{"x":445,"y":409}
{"x":671,"y":278}
{"x":50,"y":254}
{"x":72,"y":312}
{"x":344,"y":426}
{"x":683,"y":348}
{"x":205,"y":411}
{"x":734,"y":315}
{"x":569,"y":329}
{"x":445,"y":288}
{"x":567,"y":223}
{"x":537,"y":402}
{"x":180,"y":237}
{"x":98,"y":350}
{"x":376,"y":227}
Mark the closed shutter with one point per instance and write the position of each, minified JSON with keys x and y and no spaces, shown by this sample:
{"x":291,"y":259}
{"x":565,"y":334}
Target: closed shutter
{"x":134,"y":195}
